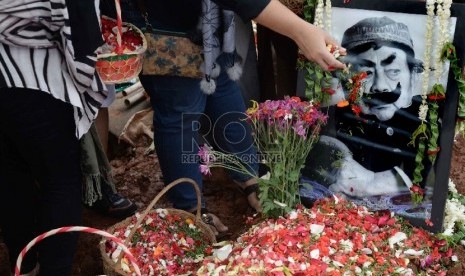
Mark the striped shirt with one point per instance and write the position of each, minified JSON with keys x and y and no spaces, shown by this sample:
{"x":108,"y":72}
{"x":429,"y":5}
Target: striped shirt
{"x":36,"y":52}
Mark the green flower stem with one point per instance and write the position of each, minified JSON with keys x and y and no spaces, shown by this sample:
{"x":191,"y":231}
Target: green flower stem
{"x":283,"y":185}
{"x":417,"y":173}
{"x":433,"y":130}
{"x":450,"y":54}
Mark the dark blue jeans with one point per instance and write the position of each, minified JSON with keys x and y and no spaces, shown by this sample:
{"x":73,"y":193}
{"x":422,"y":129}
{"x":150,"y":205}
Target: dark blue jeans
{"x":40,"y":178}
{"x":181,"y":110}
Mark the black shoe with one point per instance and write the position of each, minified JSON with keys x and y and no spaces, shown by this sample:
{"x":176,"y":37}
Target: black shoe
{"x":115,"y":205}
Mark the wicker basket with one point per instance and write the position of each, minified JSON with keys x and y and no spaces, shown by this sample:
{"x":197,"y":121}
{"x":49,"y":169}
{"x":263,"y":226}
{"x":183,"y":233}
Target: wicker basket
{"x":110,"y":268}
{"x":121,"y":67}
{"x":68,"y":229}
{"x":294,"y":5}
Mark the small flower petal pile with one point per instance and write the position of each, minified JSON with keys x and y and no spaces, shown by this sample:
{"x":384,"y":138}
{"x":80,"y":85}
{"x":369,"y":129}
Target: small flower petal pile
{"x":130,"y":40}
{"x":164,"y":244}
{"x":335,"y":237}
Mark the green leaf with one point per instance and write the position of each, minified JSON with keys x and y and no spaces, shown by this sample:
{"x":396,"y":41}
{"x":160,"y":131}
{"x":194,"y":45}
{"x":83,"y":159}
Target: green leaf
{"x":293,"y":176}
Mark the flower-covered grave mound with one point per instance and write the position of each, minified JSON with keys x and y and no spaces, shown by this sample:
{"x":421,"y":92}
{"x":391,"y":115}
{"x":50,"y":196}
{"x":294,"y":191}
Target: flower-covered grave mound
{"x":334,"y":237}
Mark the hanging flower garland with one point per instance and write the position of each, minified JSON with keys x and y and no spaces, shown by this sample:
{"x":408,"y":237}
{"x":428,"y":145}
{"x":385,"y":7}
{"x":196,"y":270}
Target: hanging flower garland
{"x":420,"y":134}
{"x":319,"y":14}
{"x":438,"y":91}
{"x":328,"y":14}
{"x":450,"y":54}
{"x":317,"y":81}
{"x":427,"y":134}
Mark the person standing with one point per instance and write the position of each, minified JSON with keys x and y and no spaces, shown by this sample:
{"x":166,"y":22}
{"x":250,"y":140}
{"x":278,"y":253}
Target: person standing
{"x":50,"y":94}
{"x":180,"y":102}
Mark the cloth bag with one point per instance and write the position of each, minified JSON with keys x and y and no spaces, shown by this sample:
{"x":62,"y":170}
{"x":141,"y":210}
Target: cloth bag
{"x":169,"y":53}
{"x":172,"y":54}
{"x":176,"y":54}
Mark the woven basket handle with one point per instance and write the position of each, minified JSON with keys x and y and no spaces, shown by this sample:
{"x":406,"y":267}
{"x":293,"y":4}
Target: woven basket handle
{"x":68,"y":229}
{"x":155,"y":200}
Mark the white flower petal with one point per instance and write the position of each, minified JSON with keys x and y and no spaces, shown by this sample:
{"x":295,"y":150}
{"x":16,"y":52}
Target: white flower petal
{"x":396,"y":238}
{"x":223,"y":252}
{"x":316,"y":229}
{"x":315,"y":254}
{"x":413,"y":252}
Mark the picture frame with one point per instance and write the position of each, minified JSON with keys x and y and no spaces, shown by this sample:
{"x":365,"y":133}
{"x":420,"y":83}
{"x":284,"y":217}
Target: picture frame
{"x":321,"y":169}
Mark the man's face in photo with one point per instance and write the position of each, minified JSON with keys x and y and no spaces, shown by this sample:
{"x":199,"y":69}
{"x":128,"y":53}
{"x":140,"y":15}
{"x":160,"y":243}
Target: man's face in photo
{"x":388,"y":85}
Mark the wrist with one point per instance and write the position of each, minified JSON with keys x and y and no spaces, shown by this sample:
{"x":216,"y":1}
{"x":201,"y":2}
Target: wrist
{"x":299,"y":30}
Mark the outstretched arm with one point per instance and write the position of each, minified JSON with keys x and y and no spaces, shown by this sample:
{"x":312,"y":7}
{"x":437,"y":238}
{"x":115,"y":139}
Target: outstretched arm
{"x":310,"y":39}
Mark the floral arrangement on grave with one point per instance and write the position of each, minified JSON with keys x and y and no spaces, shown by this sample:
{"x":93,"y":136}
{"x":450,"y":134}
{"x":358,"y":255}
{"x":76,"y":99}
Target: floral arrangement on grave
{"x":425,"y":138}
{"x":284,"y":132}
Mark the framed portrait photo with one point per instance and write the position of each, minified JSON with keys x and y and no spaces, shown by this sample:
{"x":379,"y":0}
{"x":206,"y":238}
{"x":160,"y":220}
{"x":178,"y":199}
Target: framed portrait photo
{"x":370,"y":152}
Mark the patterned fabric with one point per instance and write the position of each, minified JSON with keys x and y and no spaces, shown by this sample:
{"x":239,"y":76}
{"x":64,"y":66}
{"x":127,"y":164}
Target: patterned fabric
{"x":172,"y":55}
{"x":36,"y":52}
{"x":216,"y":43}
{"x":217,"y":27}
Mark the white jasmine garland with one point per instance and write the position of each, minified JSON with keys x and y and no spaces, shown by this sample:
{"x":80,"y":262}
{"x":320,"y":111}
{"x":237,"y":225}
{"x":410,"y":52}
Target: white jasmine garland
{"x":440,"y":42}
{"x":318,"y":21}
{"x":443,"y":15}
{"x":328,"y":18}
{"x":423,"y":110}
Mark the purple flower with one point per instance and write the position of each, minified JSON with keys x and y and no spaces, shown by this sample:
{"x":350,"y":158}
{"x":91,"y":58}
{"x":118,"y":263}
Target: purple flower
{"x":205,"y":155}
{"x":205,"y":170}
{"x":299,"y":128}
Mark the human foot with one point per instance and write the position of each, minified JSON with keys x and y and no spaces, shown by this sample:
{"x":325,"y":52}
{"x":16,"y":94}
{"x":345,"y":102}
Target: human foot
{"x":213,"y":221}
{"x":250,"y":190}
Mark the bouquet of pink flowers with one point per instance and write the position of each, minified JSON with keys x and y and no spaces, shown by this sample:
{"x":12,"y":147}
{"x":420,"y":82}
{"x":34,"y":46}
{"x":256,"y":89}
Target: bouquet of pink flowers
{"x":284,"y":133}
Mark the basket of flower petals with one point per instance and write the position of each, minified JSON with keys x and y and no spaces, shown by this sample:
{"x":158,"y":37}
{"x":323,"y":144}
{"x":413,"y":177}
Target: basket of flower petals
{"x":163,"y":241}
{"x":120,"y":59}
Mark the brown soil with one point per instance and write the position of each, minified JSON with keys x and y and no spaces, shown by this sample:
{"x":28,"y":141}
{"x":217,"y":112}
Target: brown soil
{"x":138,"y":177}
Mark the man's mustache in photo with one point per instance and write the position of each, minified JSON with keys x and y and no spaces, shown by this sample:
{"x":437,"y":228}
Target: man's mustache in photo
{"x":376,"y":99}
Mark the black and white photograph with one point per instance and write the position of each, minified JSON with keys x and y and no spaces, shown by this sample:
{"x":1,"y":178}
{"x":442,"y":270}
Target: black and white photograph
{"x":367,"y":156}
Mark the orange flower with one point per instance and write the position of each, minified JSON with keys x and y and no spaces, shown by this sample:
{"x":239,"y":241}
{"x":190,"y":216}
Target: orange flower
{"x":157,"y":252}
{"x":343,"y":103}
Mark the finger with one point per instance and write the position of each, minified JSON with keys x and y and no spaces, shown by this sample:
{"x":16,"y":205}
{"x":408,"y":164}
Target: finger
{"x":333,"y":63}
{"x":330,"y":40}
{"x":323,"y":64}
